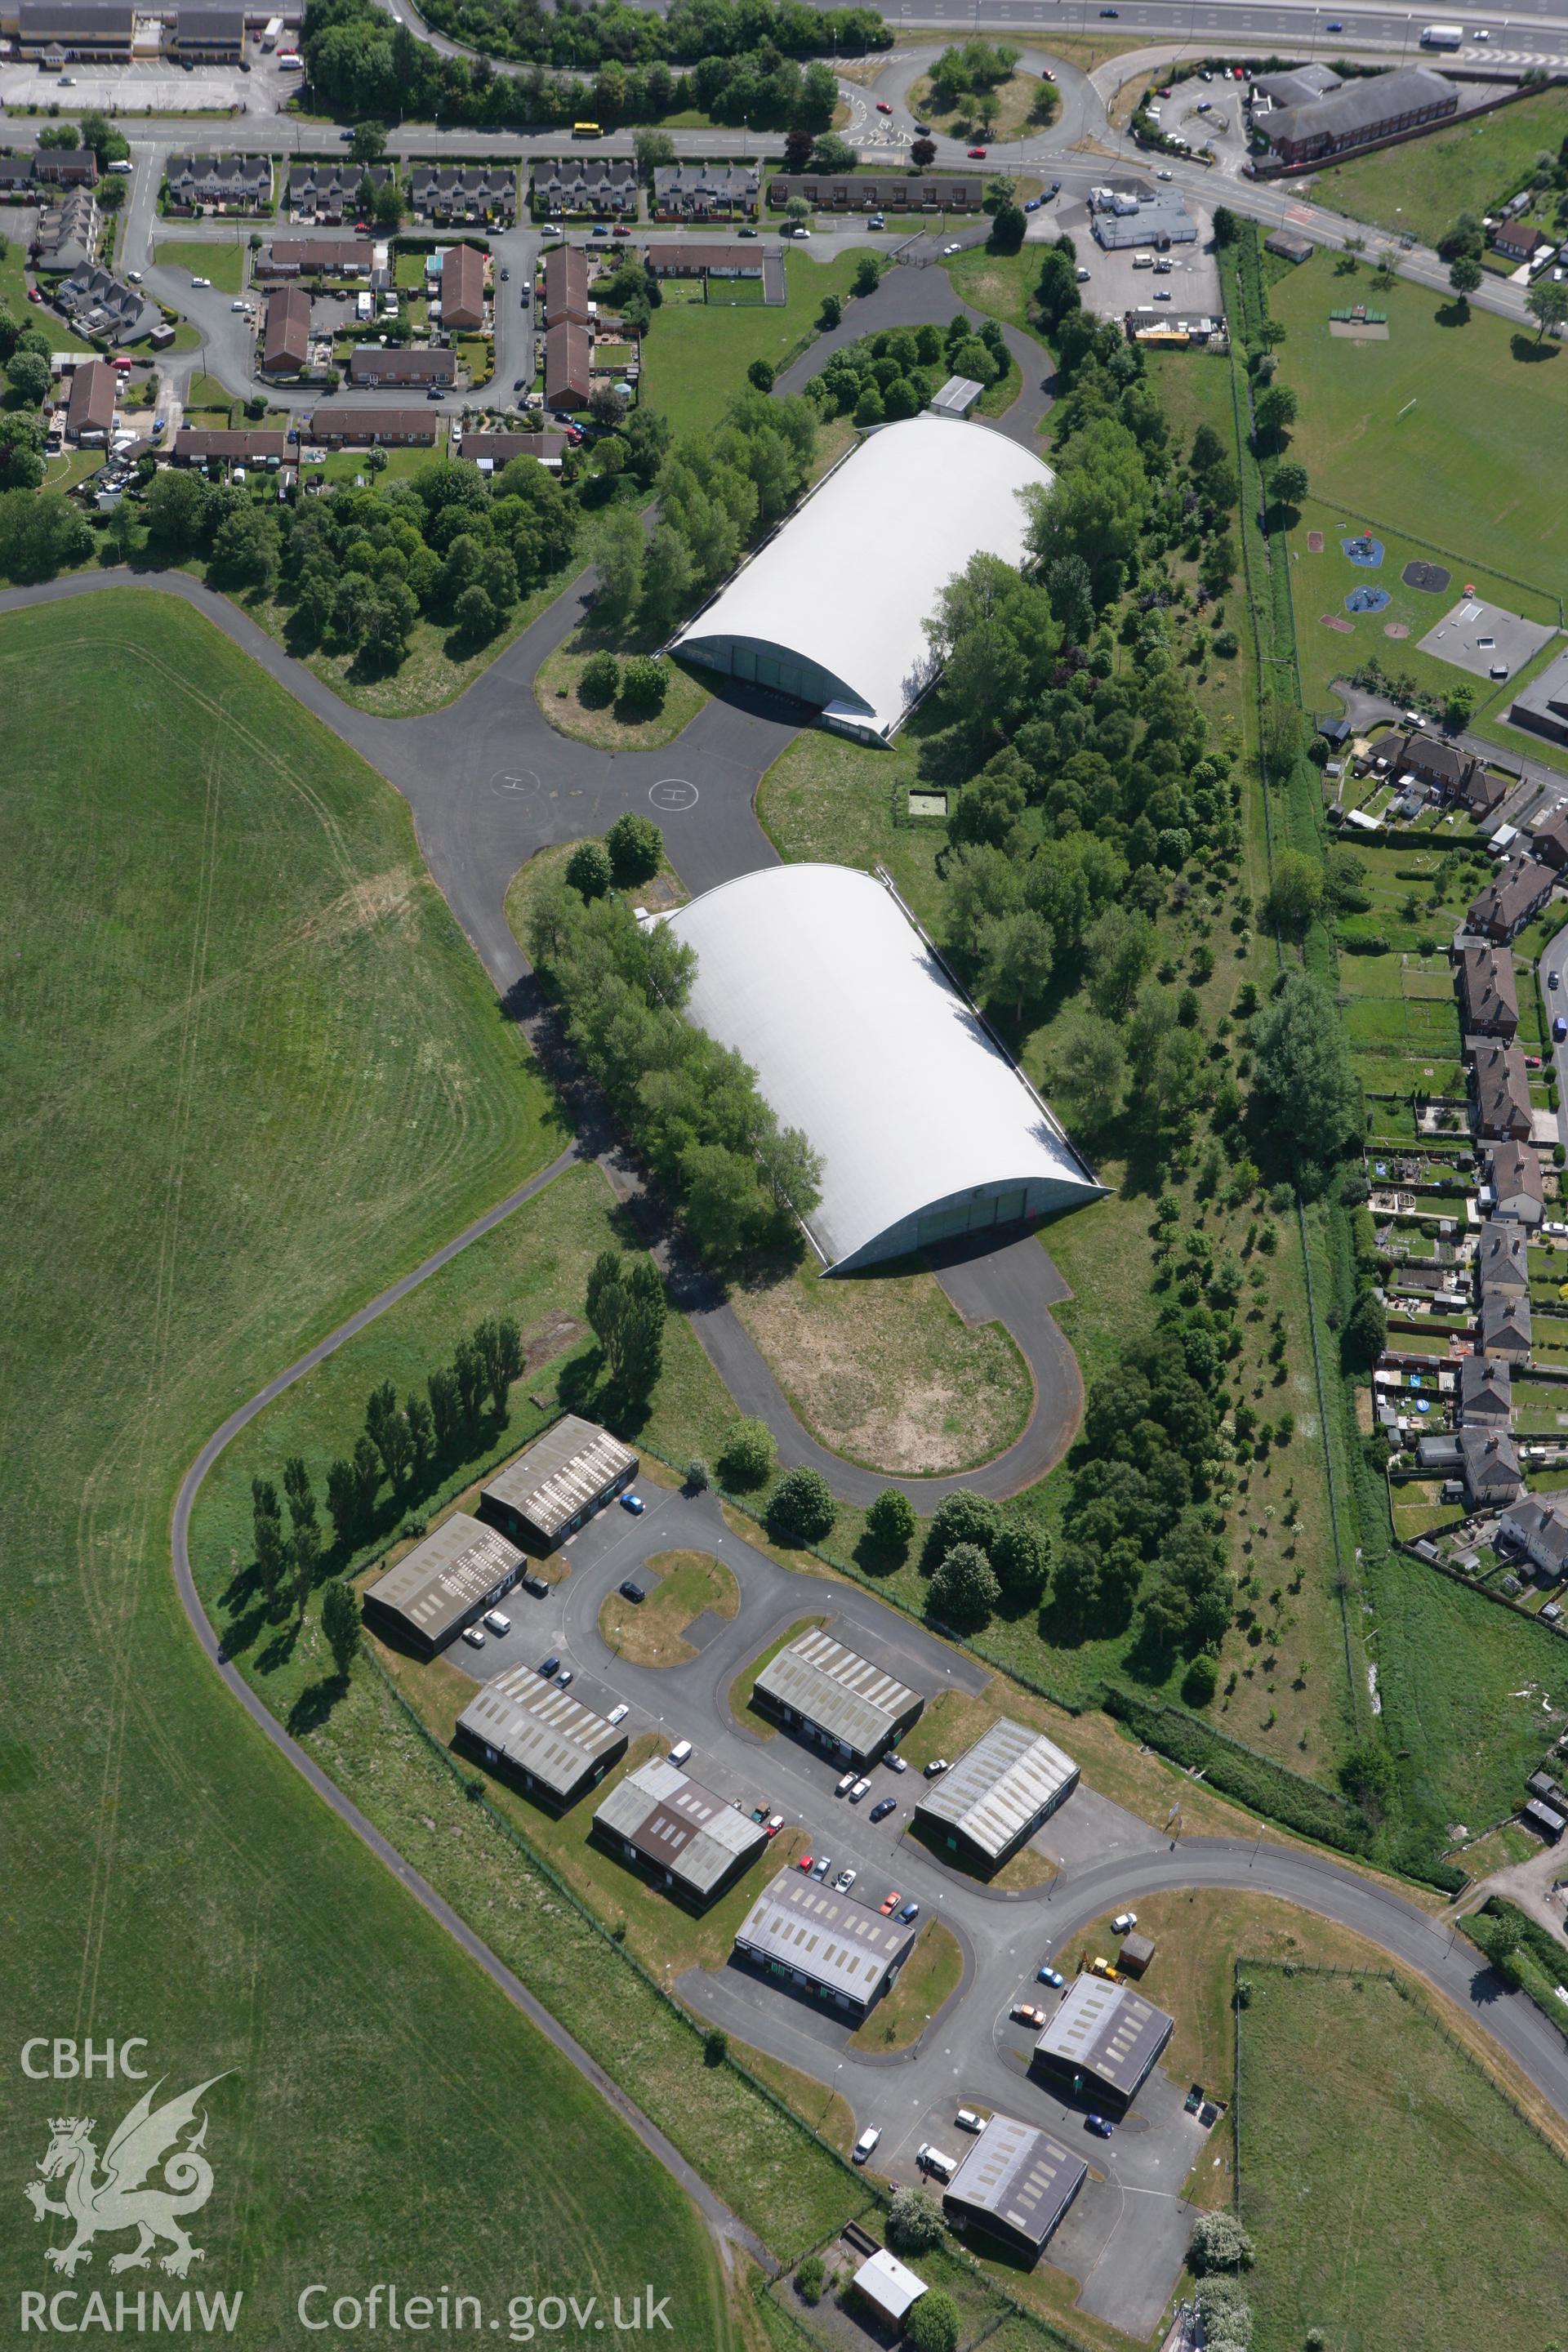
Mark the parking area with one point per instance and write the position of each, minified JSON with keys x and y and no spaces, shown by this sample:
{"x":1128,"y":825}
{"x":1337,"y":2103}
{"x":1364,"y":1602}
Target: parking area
{"x":1129,"y":278}
{"x":1484,"y":639}
{"x":153,"y":85}
{"x":1207,"y":114}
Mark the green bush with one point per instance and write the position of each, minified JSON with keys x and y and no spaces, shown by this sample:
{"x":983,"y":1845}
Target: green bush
{"x":1201,"y":1680}
{"x":645,"y":682}
{"x":810,"y":2278}
{"x":600,"y":682}
{"x":801,"y":1508}
{"x":588,"y":869}
{"x":890,"y":1523}
{"x":748,"y":1456}
{"x":636,"y":848}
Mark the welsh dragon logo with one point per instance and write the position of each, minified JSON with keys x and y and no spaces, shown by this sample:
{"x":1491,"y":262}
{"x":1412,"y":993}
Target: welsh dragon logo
{"x":118,"y":2196}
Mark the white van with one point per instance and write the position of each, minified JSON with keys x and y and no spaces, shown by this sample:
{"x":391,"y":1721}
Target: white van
{"x":935,"y":2159}
{"x":681,"y":1752}
{"x":121,"y":168}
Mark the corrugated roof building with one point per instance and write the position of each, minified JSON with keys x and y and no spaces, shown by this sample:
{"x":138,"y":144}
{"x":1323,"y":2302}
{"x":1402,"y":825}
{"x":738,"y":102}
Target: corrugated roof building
{"x":450,"y":1577}
{"x":695,"y":1843}
{"x":554,"y":1485}
{"x":829,"y":1693}
{"x":997,"y":1794}
{"x":539,"y":1737}
{"x":1014,"y":2184}
{"x":823,"y":1944}
{"x":1106,"y":2034}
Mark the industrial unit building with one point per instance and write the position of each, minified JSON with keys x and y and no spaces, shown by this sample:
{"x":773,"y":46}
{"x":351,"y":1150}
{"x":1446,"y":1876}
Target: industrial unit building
{"x":694,"y":1843}
{"x":540,"y":1738}
{"x":463,"y":288}
{"x":556,"y":1483}
{"x":819,"y":978}
{"x":830,"y":1693}
{"x":997,"y":1794}
{"x":1156,"y":218}
{"x":1102,"y":2036}
{"x":1014,"y":2184}
{"x":832,"y":610}
{"x":823,"y":1944}
{"x":451,"y":1576}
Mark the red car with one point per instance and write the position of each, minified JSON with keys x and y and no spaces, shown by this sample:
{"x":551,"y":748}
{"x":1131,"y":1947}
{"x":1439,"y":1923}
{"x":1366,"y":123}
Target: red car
{"x":33,"y":295}
{"x":1046,"y":74}
{"x":620,"y":229}
{"x":977,"y":154}
{"x":882,"y":107}
{"x":804,"y":1863}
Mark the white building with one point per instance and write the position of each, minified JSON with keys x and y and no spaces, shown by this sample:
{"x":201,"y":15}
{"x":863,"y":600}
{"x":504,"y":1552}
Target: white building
{"x":832,"y":610}
{"x":818,"y":977}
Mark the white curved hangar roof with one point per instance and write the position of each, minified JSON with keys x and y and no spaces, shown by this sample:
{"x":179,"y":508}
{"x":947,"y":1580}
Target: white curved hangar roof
{"x":833,"y":608}
{"x":818,"y":977}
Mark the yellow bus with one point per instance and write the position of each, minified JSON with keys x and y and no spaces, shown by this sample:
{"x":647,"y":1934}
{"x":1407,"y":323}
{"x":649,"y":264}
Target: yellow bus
{"x":585,"y":131}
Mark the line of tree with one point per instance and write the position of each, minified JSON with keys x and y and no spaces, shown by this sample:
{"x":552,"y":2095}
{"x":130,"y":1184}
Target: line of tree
{"x":691,"y":1105}
{"x":741,"y":61}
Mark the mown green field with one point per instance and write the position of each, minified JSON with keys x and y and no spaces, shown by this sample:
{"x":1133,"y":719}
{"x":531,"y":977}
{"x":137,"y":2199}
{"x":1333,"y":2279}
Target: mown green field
{"x":253,"y":1070}
{"x":696,"y":354}
{"x":1472,"y":168}
{"x":206,"y":258}
{"x":1396,"y":2197}
{"x":1463,"y":470}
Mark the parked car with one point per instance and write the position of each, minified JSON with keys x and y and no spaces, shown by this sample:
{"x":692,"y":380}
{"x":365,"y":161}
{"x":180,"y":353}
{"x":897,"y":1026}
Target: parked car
{"x":630,"y":1590}
{"x":894,"y":1761}
{"x":200,"y":281}
{"x":773,"y":1825}
{"x":910,"y":1911}
{"x":620,"y":229}
{"x":921,"y":132}
{"x":934,"y":2159}
{"x":1162,"y":293}
{"x":600,"y":228}
{"x":1099,"y":2124}
{"x":806,"y":1863}
{"x":618,"y":1714}
{"x":563,"y":1677}
{"x":633,"y":1503}
{"x":859,"y":1790}
{"x":681,"y":1752}
{"x":866,"y":2142}
{"x":845,"y":1785}
{"x":1560,"y":1028}
{"x":1082,"y":277}
{"x":967,"y":2120}
{"x":474,"y":1637}
{"x":797,"y":232}
{"x":1124,"y":1923}
{"x":890,"y":1902}
{"x":1045,"y":1974}
{"x":1551,"y":979}
{"x":844,"y":1881}
{"x":498,"y":1621}
{"x":821,"y":1866}
{"x":938,"y":1764}
{"x":1165,"y":175}
{"x":547,"y":1668}
{"x":1025,"y":2013}
{"x":977,"y":154}
{"x":744,"y":232}
{"x":883,"y":1807}
{"x":537,"y":1585}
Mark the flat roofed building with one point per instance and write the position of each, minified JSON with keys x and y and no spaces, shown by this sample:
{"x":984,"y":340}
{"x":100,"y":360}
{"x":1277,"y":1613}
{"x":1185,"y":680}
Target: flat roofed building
{"x":566,"y":286}
{"x":89,"y":415}
{"x":1160,"y":220}
{"x":1014,"y":2184}
{"x":697,"y":1844}
{"x":855,"y":1707}
{"x":286,"y":336}
{"x":539,"y":1736}
{"x":888,"y":2285}
{"x":557,"y":1483}
{"x":998,"y":1792}
{"x":338,"y":425}
{"x":195,"y":446}
{"x":1108,"y":2033}
{"x":451,"y":1576}
{"x":928,"y":1131}
{"x":825,"y":1944}
{"x":1289,"y":246}
{"x":832,"y":610}
{"x":463,"y":288}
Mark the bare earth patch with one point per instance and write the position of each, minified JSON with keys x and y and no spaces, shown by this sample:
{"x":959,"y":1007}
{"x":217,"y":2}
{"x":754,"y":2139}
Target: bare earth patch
{"x":887,"y":1373}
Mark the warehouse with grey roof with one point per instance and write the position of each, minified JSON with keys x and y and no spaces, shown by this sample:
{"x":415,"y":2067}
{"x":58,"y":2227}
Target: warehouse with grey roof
{"x":538,"y":1738}
{"x":832,"y":1694}
{"x":1014,"y":2184}
{"x":823,"y":1945}
{"x":997,"y":1794}
{"x":558,"y":1482}
{"x":694,"y":1843}
{"x":451,"y":1576}
{"x":1102,"y":2038}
